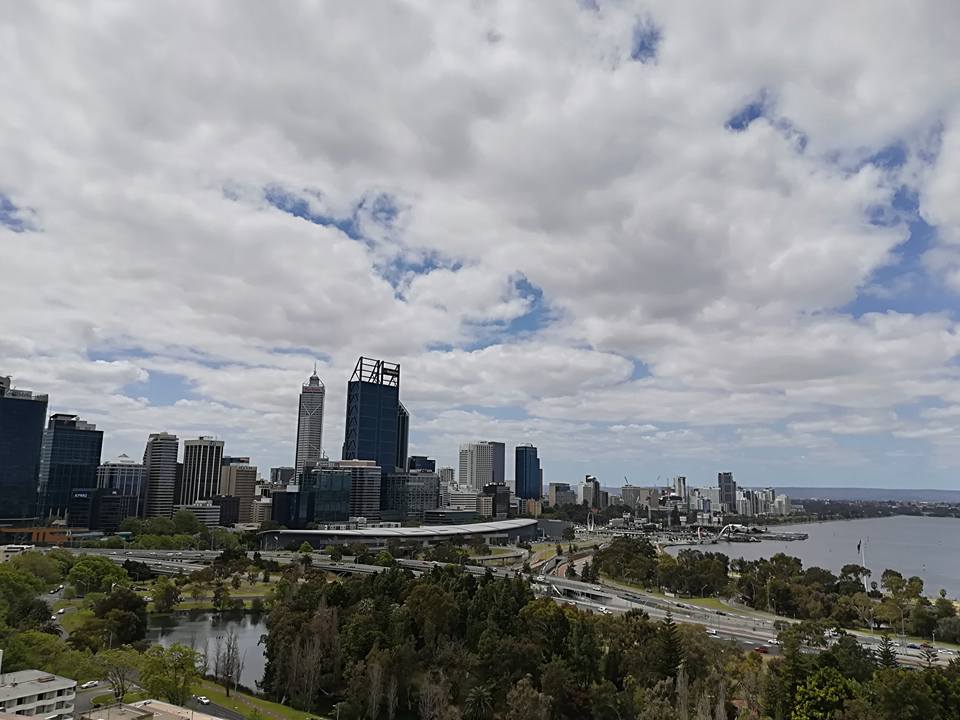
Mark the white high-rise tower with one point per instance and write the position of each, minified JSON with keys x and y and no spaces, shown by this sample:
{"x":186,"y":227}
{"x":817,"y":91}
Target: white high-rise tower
{"x":310,"y":423}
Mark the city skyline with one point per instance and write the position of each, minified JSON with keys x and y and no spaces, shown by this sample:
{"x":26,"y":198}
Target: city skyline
{"x":644,"y":246}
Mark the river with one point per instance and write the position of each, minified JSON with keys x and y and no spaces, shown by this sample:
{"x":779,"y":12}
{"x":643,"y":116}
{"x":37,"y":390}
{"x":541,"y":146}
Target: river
{"x":922,"y":546}
{"x":199,"y":629}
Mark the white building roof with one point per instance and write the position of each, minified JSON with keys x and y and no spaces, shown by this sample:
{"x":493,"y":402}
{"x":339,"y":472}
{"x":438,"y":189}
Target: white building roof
{"x":29,"y":682}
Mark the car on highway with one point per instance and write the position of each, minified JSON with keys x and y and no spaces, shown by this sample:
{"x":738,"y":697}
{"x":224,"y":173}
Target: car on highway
{"x":541,"y":578}
{"x":53,"y":592}
{"x":202,"y":699}
{"x":773,"y":641}
{"x":89,"y":684}
{"x":61,"y":611}
{"x":53,"y":617}
{"x":761,"y":649}
{"x":712,"y":631}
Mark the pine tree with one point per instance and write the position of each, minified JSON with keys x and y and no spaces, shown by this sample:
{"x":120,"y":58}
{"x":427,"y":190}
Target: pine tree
{"x":886,"y":655}
{"x":670,"y":650}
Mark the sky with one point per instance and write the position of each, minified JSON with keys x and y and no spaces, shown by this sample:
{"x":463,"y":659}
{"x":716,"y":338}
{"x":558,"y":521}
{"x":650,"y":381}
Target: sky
{"x":650,"y":238}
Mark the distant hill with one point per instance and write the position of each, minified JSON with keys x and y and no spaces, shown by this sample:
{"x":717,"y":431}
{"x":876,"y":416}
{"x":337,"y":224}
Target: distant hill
{"x":874,"y":494}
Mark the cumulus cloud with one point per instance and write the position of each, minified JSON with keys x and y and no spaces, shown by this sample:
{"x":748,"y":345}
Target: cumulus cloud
{"x":633,"y":233}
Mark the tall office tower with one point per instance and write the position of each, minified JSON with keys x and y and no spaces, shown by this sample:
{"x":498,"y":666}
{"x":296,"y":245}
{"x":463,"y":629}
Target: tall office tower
{"x":446,"y":475}
{"x":238,"y":478}
{"x":482,"y":463}
{"x":310,"y":423}
{"x":680,"y":486}
{"x":498,"y":461}
{"x":527,"y":477}
{"x":22,"y":415}
{"x":377,"y":423}
{"x":475,"y":465}
{"x":124,"y":475}
{"x":202,"y":460}
{"x":159,"y":475}
{"x":728,"y":491}
{"x":69,"y":458}
{"x":422,"y":463}
{"x":283,"y":475}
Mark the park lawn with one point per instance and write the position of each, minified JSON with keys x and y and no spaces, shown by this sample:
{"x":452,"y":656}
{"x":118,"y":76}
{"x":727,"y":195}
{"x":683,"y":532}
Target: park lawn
{"x":246,"y":704}
{"x":73,"y":619}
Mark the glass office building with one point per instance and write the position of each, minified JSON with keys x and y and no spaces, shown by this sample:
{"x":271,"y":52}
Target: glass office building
{"x":527,"y":477}
{"x":69,"y":459}
{"x":377,"y":424}
{"x":22,"y":415}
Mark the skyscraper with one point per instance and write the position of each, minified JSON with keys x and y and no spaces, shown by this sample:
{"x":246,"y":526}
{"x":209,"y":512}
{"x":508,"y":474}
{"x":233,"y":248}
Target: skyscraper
{"x":728,"y":491}
{"x":377,"y":423}
{"x":159,"y":474}
{"x":680,"y":486}
{"x":22,"y":415}
{"x":482,"y":463}
{"x":69,"y":458}
{"x":310,"y":423}
{"x":202,"y":461}
{"x":238,"y":478}
{"x":527,"y":477}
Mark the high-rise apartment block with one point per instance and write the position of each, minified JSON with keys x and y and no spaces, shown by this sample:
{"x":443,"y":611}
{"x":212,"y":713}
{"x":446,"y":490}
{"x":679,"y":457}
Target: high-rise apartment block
{"x":728,"y":491}
{"x":527,"y":476}
{"x":310,"y":423}
{"x":377,"y":423}
{"x":680,"y":486}
{"x":69,"y":458}
{"x":202,"y":461}
{"x":22,"y":416}
{"x":159,"y":474}
{"x":238,"y":478}
{"x":446,"y":475}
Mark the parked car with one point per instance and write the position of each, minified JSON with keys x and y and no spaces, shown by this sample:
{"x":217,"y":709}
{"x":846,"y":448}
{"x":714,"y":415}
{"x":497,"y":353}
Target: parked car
{"x":53,"y":617}
{"x":89,"y":684}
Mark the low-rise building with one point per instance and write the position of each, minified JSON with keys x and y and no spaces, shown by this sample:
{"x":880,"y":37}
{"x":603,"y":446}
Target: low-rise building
{"x":207,"y":513}
{"x":11,"y":551}
{"x":37,"y":694}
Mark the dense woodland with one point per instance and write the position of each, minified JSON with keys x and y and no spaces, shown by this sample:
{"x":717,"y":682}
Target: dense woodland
{"x":451,"y":645}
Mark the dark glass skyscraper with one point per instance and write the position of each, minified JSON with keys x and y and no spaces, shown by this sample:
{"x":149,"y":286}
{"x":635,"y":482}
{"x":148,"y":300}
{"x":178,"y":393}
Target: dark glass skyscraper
{"x":69,"y":458}
{"x":377,"y":424}
{"x":527,"y":478}
{"x":22,"y":415}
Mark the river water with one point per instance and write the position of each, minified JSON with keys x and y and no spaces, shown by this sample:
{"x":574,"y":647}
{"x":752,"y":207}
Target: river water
{"x":923,"y":546}
{"x":200,"y":630}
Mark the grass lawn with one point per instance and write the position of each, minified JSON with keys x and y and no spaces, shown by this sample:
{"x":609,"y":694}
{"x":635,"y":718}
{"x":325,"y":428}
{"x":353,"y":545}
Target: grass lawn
{"x":72,"y":619}
{"x":247,"y":705}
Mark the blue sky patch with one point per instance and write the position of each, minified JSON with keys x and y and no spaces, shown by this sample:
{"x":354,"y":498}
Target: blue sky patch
{"x":11,"y":216}
{"x":741,"y":119}
{"x":163,"y":388}
{"x":645,"y":41}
